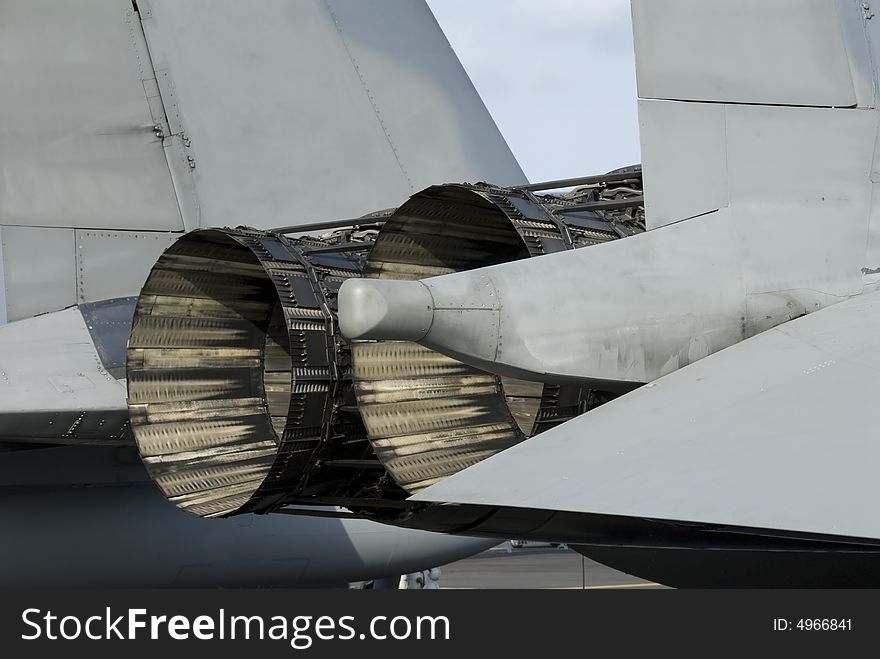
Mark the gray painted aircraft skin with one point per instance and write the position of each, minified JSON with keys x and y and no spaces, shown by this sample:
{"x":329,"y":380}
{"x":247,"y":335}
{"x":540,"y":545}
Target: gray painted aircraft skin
{"x":707,"y":318}
{"x":126,"y":124}
{"x":748,"y":311}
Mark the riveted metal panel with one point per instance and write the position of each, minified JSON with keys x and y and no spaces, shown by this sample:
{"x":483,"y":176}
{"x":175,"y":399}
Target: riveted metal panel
{"x":40,"y":267}
{"x":53,"y":385}
{"x":109,"y":324}
{"x":275,"y":161}
{"x":113,"y":264}
{"x":797,"y":182}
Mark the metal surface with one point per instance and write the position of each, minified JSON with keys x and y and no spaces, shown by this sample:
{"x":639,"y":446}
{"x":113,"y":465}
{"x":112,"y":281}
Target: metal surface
{"x":235,"y":374}
{"x":395,"y":309}
{"x":749,"y":429}
{"x":32,"y":287}
{"x":240,"y":385}
{"x":109,"y":146}
{"x":428,"y":415}
{"x":2,"y":283}
{"x":680,"y":187}
{"x":102,"y":255}
{"x":791,"y":191}
{"x":79,"y":147}
{"x":109,"y":325}
{"x":608,"y":205}
{"x":752,"y":460}
{"x":352,"y":87}
{"x":429,"y":110}
{"x":780,"y":52}
{"x":539,"y":319}
{"x":754,"y":162}
{"x":54,"y":387}
{"x":761,"y":180}
{"x":756,"y":62}
{"x":109,"y":135}
{"x":611,"y":177}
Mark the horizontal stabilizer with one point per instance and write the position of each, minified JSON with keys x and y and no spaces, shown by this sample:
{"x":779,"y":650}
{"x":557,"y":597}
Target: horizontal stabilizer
{"x":56,"y":386}
{"x":775,"y":432}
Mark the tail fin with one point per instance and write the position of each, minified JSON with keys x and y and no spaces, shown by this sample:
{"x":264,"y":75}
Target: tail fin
{"x":126,"y":123}
{"x":755,"y":103}
{"x":322,"y":109}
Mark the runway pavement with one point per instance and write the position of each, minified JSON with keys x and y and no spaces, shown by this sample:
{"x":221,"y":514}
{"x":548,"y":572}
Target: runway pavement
{"x":534,"y":567}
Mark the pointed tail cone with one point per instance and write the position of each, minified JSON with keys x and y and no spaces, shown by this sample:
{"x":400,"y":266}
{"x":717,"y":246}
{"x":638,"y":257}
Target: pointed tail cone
{"x":385,"y":309}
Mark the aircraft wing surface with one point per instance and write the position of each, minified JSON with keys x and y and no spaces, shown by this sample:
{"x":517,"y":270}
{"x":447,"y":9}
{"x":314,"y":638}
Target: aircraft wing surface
{"x":776,"y":432}
{"x":58,"y":379}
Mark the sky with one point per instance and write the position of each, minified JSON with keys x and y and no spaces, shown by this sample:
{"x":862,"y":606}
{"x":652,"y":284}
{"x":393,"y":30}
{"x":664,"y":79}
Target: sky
{"x":558,"y":76}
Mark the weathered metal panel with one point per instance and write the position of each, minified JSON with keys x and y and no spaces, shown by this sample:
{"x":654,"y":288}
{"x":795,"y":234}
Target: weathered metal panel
{"x":790,"y":241}
{"x":684,"y":159}
{"x":293,"y":117}
{"x":113,"y":264}
{"x":78,"y":140}
{"x":2,"y":283}
{"x":775,"y":432}
{"x":800,"y":192}
{"x":628,"y":310}
{"x":428,"y":415}
{"x":40,"y":267}
{"x":798,"y":183}
{"x":788,"y":52}
{"x":281,"y":130}
{"x":109,"y":325}
{"x":433,"y":116}
{"x":54,"y":386}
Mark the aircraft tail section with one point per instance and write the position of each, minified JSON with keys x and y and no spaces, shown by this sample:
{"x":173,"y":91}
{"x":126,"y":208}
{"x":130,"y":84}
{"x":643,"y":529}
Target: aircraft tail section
{"x":759,"y":131}
{"x":746,"y":104}
{"x":133,"y":122}
{"x":306,"y":111}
